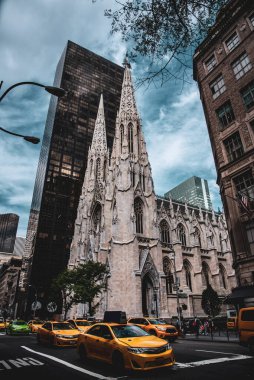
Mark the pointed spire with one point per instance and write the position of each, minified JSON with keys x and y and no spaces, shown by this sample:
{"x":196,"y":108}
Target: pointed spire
{"x":128,"y":106}
{"x":99,"y":142}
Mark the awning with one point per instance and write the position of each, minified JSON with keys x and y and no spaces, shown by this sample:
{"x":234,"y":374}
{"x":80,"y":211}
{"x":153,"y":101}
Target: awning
{"x":238,"y":294}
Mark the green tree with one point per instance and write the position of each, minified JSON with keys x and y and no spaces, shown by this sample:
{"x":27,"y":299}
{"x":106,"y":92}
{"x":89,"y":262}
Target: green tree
{"x":79,"y":285}
{"x":210,"y":303}
{"x":164,"y":31}
{"x":92,"y":281}
{"x":63,"y":290}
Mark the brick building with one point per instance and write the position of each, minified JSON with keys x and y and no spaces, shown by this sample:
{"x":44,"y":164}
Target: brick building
{"x":224,"y":71}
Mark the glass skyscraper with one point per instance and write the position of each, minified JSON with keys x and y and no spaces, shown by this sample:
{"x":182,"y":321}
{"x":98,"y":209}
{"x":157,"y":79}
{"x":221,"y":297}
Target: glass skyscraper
{"x":63,"y":160}
{"x":193,"y":191}
{"x":8,"y":229}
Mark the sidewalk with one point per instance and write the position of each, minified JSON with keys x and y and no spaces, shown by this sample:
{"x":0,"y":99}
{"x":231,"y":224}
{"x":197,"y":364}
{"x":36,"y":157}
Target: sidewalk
{"x":222,"y":337}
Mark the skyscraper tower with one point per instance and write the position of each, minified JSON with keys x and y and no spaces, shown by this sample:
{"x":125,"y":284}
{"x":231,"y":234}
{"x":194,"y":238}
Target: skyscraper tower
{"x":8,"y":230}
{"x":63,"y":160}
{"x":194,"y":191}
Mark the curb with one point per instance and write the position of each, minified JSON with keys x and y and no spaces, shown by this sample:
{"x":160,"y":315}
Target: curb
{"x":210,"y":340}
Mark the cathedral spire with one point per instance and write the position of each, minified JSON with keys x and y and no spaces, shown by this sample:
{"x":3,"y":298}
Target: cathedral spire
{"x":128,"y":106}
{"x":99,"y":143}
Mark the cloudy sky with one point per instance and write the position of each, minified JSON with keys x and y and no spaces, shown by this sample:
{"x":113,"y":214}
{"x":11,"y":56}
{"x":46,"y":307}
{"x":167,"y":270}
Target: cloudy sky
{"x":33,"y":36}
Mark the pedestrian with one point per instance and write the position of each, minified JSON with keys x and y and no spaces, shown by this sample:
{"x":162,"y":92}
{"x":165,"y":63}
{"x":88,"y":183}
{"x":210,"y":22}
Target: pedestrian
{"x":196,"y":326}
{"x":206,"y":327}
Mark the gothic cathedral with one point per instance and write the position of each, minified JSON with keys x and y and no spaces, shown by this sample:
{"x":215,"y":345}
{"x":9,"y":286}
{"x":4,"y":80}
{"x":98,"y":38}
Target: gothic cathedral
{"x":151,"y":245}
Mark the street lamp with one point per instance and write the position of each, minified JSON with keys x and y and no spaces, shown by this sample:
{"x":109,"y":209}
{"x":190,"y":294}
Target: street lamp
{"x":31,"y":139}
{"x":57,"y":91}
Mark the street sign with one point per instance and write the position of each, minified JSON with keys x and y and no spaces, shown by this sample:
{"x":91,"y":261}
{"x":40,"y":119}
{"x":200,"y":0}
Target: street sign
{"x":51,"y":307}
{"x":36,"y":305}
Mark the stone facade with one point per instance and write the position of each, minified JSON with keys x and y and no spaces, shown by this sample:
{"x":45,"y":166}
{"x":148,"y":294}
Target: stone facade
{"x":151,"y":245}
{"x":224,"y":70}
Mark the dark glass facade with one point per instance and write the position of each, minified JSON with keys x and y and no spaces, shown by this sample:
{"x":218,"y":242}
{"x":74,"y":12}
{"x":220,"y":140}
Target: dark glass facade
{"x":63,"y":159}
{"x":8,"y":230}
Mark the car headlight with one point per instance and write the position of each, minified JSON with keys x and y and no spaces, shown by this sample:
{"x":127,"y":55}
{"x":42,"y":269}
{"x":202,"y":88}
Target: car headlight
{"x":168,"y":347}
{"x":136,"y":350}
{"x":162,"y":328}
{"x":67,"y":336}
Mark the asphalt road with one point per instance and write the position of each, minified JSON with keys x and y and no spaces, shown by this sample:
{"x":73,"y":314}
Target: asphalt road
{"x":22,"y":358}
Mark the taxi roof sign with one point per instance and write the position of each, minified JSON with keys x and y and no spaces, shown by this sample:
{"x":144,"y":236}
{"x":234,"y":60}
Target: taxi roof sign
{"x":115,"y":316}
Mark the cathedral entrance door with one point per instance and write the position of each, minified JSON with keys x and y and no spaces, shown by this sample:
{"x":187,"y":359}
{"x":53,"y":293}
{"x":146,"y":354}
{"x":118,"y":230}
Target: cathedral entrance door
{"x":148,"y":296}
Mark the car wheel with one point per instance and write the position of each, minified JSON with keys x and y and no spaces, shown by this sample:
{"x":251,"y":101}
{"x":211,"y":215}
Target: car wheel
{"x":118,"y":361}
{"x":82,"y":353}
{"x":153,"y":332}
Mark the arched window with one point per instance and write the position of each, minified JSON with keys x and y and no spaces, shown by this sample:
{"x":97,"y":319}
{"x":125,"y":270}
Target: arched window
{"x":222,"y":276}
{"x":197,"y":236}
{"x":164,"y":230}
{"x":138,"y":210}
{"x":181,"y":234}
{"x":205,"y":274}
{"x":221,"y":244}
{"x":187,"y":269}
{"x":121,"y":136}
{"x":104,"y":170}
{"x":167,"y":269}
{"x":96,"y":218}
{"x":132,"y":174}
{"x":91,"y":166}
{"x":98,"y":168}
{"x":130,"y":137}
{"x":144,"y":182}
{"x":212,"y":240}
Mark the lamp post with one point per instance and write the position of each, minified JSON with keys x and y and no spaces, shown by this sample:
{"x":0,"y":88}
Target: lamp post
{"x":31,"y":139}
{"x":57,"y":91}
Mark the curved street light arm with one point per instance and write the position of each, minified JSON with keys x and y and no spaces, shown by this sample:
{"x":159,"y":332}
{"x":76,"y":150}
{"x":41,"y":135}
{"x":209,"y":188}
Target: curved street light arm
{"x":57,"y":91}
{"x":32,"y":139}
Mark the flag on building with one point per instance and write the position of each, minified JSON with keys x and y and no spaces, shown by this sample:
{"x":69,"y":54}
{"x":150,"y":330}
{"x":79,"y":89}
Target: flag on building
{"x":243,"y":199}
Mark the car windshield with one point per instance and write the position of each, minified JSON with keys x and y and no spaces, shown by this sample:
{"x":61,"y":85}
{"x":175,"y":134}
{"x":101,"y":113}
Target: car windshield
{"x":157,"y":322}
{"x":83,"y":323}
{"x":19,"y":323}
{"x":128,"y":331}
{"x":62,"y":326}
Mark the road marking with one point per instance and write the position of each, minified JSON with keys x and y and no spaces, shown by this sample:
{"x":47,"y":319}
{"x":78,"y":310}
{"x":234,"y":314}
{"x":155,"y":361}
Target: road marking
{"x":218,"y":352}
{"x":80,"y":369}
{"x":212,"y":361}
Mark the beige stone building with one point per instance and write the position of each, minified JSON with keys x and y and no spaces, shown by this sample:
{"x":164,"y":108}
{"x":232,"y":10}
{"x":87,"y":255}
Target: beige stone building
{"x":224,"y":71}
{"x":158,"y":251}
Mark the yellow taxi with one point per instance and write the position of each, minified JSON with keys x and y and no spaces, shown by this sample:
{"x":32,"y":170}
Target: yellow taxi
{"x":246,"y":328}
{"x":81,"y":324}
{"x":156,"y":326}
{"x":34,"y":324}
{"x":125,"y":347}
{"x":57,"y":334}
{"x":2,"y":324}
